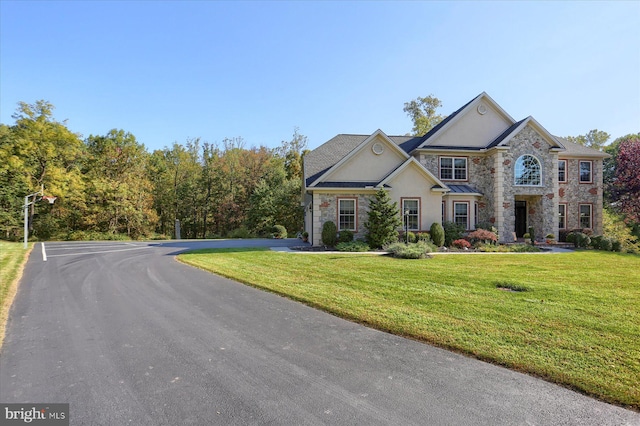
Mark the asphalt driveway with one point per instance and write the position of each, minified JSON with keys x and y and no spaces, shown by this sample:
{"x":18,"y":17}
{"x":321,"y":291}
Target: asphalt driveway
{"x":129,"y":336}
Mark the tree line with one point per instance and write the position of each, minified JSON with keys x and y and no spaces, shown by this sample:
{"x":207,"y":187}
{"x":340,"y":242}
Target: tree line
{"x":109,"y":186}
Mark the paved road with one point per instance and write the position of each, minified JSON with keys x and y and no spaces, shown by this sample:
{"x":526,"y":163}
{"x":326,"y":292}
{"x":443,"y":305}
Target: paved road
{"x":129,"y":336}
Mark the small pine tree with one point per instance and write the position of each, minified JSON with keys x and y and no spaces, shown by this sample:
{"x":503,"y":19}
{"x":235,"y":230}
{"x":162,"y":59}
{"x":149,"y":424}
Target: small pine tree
{"x":437,"y":234}
{"x":384,"y":220}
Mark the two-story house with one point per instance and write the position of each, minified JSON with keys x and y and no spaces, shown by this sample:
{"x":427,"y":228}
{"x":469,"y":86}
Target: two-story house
{"x":477,"y":165}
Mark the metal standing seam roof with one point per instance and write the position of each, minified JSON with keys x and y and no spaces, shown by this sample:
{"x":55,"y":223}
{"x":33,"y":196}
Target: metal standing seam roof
{"x":462,"y":189}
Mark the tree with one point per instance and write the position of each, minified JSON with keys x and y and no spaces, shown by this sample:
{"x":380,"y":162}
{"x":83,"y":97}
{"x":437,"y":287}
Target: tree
{"x":118,"y":185}
{"x":626,"y":185}
{"x":40,"y":151}
{"x":422,"y":112}
{"x":610,"y":164}
{"x":383,"y":221}
{"x":595,"y":139}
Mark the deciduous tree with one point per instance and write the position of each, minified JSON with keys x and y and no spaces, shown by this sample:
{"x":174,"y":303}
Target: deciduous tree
{"x":422,"y":112}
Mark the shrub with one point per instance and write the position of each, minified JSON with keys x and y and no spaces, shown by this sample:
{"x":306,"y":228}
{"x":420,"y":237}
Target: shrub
{"x":353,"y":246}
{"x":419,"y":250}
{"x":424,"y":236}
{"x":437,"y":234}
{"x":482,"y":236}
{"x":452,"y":232}
{"x":616,"y":245}
{"x":532,"y":234}
{"x":279,"y":231}
{"x":411,"y":237}
{"x":329,"y":233}
{"x":605,"y":244}
{"x":241,"y":232}
{"x":345,"y":236}
{"x":489,"y":227}
{"x":462,"y":244}
{"x":579,"y":239}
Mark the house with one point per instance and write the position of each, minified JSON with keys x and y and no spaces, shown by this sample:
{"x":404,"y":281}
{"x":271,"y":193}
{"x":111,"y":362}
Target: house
{"x":477,"y":165}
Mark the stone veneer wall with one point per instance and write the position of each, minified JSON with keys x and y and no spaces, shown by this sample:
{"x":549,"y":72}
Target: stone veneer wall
{"x":328,"y":211}
{"x":573,"y":193}
{"x":542,"y":203}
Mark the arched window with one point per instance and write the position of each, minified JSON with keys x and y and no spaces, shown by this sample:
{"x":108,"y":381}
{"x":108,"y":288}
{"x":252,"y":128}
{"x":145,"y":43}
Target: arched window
{"x":528,"y":171}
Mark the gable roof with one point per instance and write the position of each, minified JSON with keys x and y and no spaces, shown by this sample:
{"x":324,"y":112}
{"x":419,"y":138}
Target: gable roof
{"x":407,"y":163}
{"x":456,"y":115}
{"x":517,"y":127}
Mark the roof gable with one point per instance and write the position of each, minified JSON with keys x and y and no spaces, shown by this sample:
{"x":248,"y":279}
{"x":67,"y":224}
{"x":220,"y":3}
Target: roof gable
{"x":516,"y":128}
{"x":411,"y":162}
{"x":474,"y":125}
{"x":360,"y":163}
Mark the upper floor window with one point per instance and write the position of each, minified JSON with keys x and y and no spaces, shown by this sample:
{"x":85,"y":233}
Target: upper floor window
{"x":562,"y":170}
{"x":453,"y":168}
{"x":586,"y":175}
{"x":347,"y":214}
{"x":411,"y":212}
{"x":528,"y":171}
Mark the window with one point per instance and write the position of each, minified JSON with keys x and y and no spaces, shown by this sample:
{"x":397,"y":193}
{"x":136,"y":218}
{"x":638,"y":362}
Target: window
{"x":562,"y":170}
{"x":528,"y":171}
{"x":347,"y":214}
{"x":562,"y":216}
{"x":461,"y":214}
{"x":585,"y":215}
{"x":444,"y":217}
{"x":585,"y":172}
{"x":412,"y":206}
{"x":453,"y":168}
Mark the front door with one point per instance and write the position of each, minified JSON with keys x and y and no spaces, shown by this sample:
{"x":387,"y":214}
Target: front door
{"x":521,"y":218}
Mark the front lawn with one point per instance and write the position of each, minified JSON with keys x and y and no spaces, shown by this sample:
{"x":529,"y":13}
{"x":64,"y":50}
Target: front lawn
{"x":577,"y":323}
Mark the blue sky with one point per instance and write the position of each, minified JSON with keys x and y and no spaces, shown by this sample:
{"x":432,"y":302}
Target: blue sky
{"x":168,"y":71}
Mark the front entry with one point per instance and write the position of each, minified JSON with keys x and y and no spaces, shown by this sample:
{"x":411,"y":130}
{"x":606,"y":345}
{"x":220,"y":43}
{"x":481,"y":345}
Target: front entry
{"x":521,"y":218}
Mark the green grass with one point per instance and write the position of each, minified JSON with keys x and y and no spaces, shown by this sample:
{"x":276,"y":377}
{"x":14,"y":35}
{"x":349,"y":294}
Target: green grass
{"x":578,"y":323}
{"x":12,"y":258}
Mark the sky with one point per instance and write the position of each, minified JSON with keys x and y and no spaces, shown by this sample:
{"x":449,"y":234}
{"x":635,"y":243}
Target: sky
{"x":170,"y":71}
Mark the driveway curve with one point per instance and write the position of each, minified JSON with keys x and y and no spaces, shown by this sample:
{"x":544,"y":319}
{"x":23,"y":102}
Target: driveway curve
{"x":129,"y":336}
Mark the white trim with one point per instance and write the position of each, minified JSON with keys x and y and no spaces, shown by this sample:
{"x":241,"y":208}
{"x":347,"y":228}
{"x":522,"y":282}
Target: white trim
{"x":412,"y":160}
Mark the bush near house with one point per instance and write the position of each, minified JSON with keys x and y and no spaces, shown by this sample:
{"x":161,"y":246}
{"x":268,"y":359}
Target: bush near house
{"x":345,"y":236}
{"x":353,"y":246}
{"x":437,"y":234}
{"x":279,"y":231}
{"x":452,"y":232}
{"x":329,"y":233}
{"x":419,"y":250}
{"x":482,"y":236}
{"x":462,"y":244}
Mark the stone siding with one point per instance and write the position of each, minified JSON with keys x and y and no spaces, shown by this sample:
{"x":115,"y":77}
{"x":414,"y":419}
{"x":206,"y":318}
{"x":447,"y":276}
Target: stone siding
{"x":328,"y":211}
{"x":573,"y":193}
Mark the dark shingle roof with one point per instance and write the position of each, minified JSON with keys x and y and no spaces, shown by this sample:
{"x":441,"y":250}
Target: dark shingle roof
{"x":329,"y":153}
{"x":345,"y":184}
{"x":504,"y":134}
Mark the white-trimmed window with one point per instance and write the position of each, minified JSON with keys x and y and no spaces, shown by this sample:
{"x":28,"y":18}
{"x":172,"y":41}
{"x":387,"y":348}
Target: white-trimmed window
{"x":562,"y":171}
{"x":562,"y":216}
{"x":586,"y":173}
{"x":347,"y":214}
{"x":461,"y":214}
{"x":444,"y":211}
{"x":475,"y":215}
{"x":585,"y":215}
{"x":411,"y":213}
{"x":453,"y":168}
{"x":528,"y":171}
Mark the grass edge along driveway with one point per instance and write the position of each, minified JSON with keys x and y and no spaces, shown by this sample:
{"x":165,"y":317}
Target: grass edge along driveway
{"x":13,"y":257}
{"x":576,"y":324}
